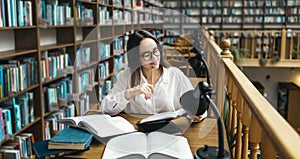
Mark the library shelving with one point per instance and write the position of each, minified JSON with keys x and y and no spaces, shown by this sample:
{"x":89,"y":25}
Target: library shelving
{"x":288,"y":97}
{"x":59,"y":58}
{"x":233,"y":14}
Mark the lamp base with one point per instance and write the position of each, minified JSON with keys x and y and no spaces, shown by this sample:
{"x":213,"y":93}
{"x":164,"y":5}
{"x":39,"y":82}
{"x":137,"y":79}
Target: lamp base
{"x":210,"y":152}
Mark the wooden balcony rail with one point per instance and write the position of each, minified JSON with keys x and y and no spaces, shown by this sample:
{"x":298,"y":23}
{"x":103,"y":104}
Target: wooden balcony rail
{"x":260,"y":129}
{"x":279,"y":47}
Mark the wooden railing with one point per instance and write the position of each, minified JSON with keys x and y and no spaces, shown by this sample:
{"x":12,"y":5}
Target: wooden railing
{"x":264,"y":47}
{"x":260,"y":129}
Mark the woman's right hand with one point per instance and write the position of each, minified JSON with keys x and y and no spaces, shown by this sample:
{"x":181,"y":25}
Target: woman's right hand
{"x":145,"y":88}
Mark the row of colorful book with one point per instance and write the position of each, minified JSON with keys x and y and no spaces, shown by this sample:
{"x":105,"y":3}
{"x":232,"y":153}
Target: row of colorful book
{"x":55,"y":13}
{"x":17,"y":75}
{"x":20,"y":146}
{"x":15,"y":114}
{"x":51,"y":127}
{"x":53,"y":63}
{"x":15,"y":13}
{"x":56,"y":94}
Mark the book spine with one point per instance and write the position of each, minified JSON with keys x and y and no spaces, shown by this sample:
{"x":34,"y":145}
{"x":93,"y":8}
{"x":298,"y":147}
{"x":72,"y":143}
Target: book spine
{"x":17,"y":116}
{"x":20,"y":9}
{"x":2,"y":130}
{"x":31,"y":106}
{"x":2,"y":87}
{"x":7,"y":121}
{"x":3,"y":13}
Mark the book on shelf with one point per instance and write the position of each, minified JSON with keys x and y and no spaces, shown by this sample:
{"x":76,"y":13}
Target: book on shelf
{"x":102,"y":126}
{"x":15,"y":113}
{"x":28,"y":140}
{"x":11,"y":154}
{"x":7,"y":121}
{"x":22,"y":143}
{"x":71,"y":138}
{"x":151,"y":145}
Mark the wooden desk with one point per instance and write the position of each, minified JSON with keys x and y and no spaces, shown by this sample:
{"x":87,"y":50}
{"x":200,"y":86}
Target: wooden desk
{"x":197,"y":134}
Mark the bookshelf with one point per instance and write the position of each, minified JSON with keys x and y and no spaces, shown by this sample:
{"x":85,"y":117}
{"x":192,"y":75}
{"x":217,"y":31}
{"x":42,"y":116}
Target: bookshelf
{"x":288,"y":96}
{"x":71,"y":60}
{"x":232,"y":14}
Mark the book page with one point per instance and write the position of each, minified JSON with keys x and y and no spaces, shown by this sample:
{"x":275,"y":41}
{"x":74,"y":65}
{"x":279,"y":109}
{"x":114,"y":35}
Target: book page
{"x":164,"y":115}
{"x":72,"y":121}
{"x":160,"y":156}
{"x":107,"y":126}
{"x":170,"y":145}
{"x":126,"y":146}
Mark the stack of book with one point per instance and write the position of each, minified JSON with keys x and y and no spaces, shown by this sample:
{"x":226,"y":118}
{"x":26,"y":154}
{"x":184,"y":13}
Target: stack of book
{"x":71,"y":138}
{"x":67,"y":140}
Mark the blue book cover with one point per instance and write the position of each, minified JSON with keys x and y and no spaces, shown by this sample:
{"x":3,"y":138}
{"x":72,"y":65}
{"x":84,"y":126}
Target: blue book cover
{"x":41,"y":149}
{"x":20,"y":12}
{"x":71,"y":138}
{"x":22,"y":100}
{"x":7,"y":121}
{"x":2,"y":132}
{"x":1,"y":82}
{"x":44,"y":9}
{"x":17,"y":116}
{"x":64,"y":89}
{"x":3,"y":13}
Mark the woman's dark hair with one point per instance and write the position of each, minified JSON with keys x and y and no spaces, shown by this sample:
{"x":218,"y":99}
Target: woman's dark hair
{"x":133,"y":50}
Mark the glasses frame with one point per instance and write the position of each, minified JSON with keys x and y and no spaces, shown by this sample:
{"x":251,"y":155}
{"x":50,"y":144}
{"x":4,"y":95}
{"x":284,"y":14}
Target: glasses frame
{"x":155,"y":52}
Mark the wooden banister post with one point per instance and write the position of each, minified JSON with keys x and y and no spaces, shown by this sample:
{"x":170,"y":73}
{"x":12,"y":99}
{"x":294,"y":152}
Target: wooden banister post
{"x":245,"y":129}
{"x":283,"y":43}
{"x":226,"y":49}
{"x":255,"y":137}
{"x":211,"y":35}
{"x":238,"y":143}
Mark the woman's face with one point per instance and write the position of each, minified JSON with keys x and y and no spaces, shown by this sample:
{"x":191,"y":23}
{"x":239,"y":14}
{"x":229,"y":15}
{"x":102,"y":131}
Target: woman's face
{"x":149,"y":54}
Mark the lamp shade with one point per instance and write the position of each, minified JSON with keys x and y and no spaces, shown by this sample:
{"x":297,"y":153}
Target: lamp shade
{"x":194,"y":102}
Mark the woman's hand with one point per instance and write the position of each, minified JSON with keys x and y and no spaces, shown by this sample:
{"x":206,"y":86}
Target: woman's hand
{"x":145,"y":88}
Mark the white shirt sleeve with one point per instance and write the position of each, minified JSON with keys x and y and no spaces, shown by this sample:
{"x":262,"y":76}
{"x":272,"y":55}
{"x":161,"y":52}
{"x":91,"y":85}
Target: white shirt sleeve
{"x":115,"y":102}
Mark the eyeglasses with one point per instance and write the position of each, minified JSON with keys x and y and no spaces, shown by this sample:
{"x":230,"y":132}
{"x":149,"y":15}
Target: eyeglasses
{"x":148,"y":55}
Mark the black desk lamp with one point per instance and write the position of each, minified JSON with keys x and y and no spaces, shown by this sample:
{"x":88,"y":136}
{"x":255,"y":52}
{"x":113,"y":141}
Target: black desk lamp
{"x":196,"y":102}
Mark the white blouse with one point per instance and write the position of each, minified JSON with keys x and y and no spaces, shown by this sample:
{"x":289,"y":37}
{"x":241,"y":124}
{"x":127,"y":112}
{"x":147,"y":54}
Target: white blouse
{"x":166,"y":94}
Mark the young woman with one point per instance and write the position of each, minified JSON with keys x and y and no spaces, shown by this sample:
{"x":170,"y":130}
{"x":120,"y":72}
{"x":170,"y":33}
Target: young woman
{"x":148,"y":85}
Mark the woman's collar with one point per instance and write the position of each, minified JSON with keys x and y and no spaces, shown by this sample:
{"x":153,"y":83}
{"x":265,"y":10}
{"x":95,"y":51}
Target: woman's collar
{"x":165,"y":76}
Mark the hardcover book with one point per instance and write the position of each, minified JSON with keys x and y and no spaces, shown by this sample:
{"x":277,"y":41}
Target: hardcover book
{"x":41,"y":149}
{"x":7,"y":121}
{"x":11,"y":154}
{"x":71,"y":138}
{"x":102,"y":126}
{"x":153,"y":145}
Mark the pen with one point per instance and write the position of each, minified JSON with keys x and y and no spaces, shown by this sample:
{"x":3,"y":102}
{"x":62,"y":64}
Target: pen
{"x":152,"y":75}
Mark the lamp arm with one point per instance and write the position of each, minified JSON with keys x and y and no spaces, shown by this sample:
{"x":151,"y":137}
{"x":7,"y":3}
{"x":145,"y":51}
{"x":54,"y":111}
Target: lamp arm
{"x":220,"y":126}
{"x":207,"y":70}
{"x":200,"y":57}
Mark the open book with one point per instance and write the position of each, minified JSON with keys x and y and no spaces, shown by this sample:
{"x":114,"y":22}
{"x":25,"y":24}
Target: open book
{"x":164,"y":116}
{"x":171,"y":115}
{"x":100,"y":125}
{"x":151,"y":145}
